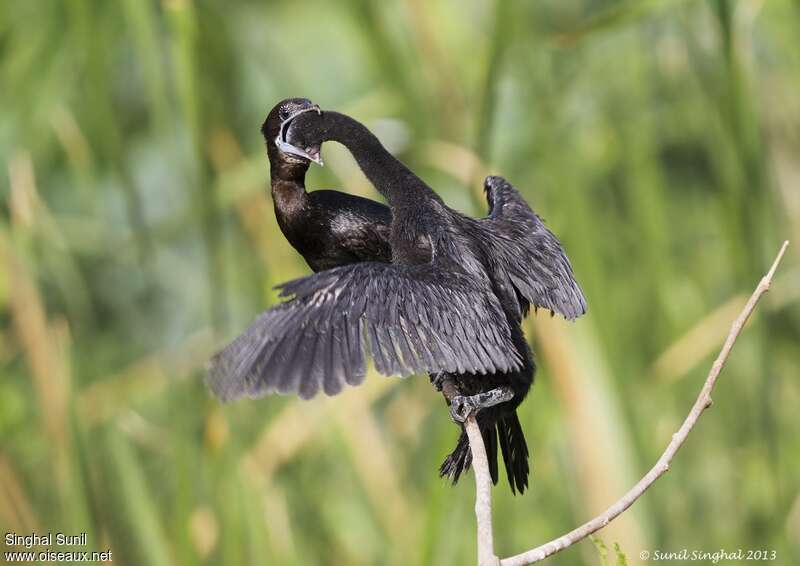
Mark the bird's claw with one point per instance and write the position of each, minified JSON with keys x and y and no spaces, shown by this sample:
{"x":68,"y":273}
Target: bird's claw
{"x":461,"y":408}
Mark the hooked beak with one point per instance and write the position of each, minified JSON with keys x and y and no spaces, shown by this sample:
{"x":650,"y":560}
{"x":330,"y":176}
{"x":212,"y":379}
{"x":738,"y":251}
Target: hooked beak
{"x":311,"y":153}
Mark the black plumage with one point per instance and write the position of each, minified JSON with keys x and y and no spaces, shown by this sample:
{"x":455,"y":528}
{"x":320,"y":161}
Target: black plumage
{"x":349,"y":307}
{"x":328,"y":228}
{"x":451,"y":302}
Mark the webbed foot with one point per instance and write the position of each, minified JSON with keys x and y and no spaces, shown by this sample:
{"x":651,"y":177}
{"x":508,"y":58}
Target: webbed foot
{"x":461,"y":407}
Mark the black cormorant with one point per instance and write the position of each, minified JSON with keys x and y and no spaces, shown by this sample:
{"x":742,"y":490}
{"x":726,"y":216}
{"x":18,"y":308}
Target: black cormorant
{"x":328,"y":228}
{"x":441,"y":258}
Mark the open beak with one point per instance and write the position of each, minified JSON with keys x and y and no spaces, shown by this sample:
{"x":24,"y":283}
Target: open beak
{"x":311,"y":153}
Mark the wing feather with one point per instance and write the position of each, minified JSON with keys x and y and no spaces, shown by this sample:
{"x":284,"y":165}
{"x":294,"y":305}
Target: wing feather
{"x":410,"y":318}
{"x":334,"y":379}
{"x":529,"y":254}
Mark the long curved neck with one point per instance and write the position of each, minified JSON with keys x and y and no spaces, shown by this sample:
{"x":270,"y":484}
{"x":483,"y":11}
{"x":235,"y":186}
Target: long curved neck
{"x":390,"y":177}
{"x":287,"y":180}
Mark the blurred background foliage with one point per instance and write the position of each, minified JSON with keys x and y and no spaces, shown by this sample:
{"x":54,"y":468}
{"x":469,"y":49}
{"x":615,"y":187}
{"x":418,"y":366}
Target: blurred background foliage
{"x":660,"y":140}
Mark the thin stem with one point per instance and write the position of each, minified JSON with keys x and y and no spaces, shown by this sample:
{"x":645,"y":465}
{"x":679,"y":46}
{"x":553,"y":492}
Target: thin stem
{"x":483,"y":495}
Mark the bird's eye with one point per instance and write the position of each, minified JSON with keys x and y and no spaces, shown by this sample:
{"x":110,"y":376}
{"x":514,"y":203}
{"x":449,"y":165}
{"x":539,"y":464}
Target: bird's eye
{"x":283,"y":113}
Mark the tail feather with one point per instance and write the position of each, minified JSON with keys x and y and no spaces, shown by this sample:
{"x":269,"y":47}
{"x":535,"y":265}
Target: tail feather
{"x":515,"y":452}
{"x":458,"y":461}
{"x":512,"y":446}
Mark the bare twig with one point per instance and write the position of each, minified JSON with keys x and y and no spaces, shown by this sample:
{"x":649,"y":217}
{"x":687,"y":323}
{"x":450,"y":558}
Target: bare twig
{"x":483,"y":494}
{"x":483,"y":481}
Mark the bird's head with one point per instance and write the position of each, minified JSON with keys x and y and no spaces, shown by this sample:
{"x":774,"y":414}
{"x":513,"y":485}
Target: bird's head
{"x":274,"y":131}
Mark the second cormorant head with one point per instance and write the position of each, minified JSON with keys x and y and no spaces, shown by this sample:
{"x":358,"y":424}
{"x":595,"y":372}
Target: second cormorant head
{"x":273,"y":130}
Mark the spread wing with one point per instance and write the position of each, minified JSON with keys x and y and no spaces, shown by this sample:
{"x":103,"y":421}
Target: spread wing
{"x":529,"y":253}
{"x":411,"y":319}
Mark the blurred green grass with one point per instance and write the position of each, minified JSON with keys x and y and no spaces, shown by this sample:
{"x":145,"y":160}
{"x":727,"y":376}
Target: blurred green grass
{"x":659,"y":139}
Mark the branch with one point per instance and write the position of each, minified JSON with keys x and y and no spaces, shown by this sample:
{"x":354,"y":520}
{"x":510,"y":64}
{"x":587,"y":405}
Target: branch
{"x":483,"y":494}
{"x":483,"y":482}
